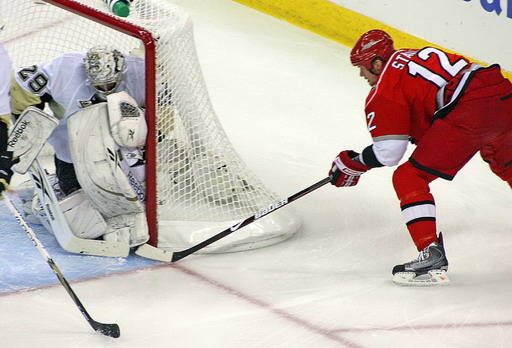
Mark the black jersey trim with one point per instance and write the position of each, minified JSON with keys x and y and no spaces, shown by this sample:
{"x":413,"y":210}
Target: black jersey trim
{"x":430,"y":170}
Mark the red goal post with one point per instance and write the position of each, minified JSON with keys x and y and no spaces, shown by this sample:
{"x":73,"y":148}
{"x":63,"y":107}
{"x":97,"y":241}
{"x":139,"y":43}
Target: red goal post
{"x":148,"y":41}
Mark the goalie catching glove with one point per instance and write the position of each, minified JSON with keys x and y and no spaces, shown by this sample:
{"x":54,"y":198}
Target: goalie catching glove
{"x":345,"y":170}
{"x":127,"y":121}
{"x":6,"y":162}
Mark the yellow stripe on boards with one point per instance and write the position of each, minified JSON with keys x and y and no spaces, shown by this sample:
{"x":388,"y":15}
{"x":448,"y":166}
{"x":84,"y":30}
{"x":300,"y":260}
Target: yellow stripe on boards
{"x":336,"y":23}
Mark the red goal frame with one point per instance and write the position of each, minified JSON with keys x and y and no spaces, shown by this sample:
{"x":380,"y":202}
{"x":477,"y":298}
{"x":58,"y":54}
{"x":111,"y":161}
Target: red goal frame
{"x":148,"y":40}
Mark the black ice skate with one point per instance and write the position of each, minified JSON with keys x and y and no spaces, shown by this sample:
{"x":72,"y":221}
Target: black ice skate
{"x":427,"y":270}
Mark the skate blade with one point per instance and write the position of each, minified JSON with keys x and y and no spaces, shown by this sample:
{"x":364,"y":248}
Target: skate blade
{"x":434,"y":277}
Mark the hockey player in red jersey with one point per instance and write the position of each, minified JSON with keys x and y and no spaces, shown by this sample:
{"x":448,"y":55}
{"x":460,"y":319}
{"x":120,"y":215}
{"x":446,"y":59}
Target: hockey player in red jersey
{"x":451,"y":109}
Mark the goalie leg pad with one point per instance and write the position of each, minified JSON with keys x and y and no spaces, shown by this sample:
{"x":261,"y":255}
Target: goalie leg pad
{"x":34,"y":212}
{"x":130,"y":228}
{"x":104,"y":175}
{"x":25,"y":190}
{"x":99,"y":165}
{"x":84,"y":220}
{"x":32,"y":207}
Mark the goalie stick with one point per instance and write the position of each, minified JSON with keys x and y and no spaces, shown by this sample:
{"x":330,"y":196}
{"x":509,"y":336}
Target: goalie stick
{"x":111,"y":330}
{"x":67,"y":240}
{"x":178,"y":255}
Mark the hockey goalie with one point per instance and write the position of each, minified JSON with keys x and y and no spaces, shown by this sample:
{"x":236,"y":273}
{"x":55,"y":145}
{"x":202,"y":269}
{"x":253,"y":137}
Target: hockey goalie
{"x":106,"y":142}
{"x":95,"y":202}
{"x":98,"y":135}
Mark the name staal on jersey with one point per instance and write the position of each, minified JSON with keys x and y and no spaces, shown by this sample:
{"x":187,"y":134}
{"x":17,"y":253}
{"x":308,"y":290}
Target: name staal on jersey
{"x":412,"y":87}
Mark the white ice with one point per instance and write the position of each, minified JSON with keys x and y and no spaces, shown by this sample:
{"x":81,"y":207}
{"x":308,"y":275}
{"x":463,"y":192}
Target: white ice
{"x":290,"y":101}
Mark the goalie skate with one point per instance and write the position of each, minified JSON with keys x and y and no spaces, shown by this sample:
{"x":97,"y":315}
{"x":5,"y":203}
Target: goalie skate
{"x":33,"y":210}
{"x":429,"y":269}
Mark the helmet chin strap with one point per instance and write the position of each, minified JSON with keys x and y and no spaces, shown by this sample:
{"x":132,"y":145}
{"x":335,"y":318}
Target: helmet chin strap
{"x":101,"y":96}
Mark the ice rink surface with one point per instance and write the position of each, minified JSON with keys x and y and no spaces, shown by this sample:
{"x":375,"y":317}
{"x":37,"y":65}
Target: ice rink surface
{"x":290,"y":101}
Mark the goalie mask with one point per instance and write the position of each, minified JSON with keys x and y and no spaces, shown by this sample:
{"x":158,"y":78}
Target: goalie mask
{"x":371,"y":45}
{"x":103,"y":67}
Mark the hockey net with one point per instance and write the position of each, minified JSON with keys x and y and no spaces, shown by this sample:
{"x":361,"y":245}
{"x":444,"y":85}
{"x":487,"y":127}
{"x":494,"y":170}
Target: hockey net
{"x":197,"y":185}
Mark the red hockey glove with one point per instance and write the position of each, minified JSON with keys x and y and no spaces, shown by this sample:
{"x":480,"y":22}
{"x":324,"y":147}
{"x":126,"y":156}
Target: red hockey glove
{"x":345,"y":171}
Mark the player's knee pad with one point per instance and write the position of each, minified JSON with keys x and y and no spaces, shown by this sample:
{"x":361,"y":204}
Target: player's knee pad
{"x":83,"y":219}
{"x":410,"y":181}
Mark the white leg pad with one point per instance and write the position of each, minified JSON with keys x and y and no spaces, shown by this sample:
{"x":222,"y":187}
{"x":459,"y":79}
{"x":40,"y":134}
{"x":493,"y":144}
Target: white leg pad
{"x":130,"y":228}
{"x":25,"y":190}
{"x":34,"y":212}
{"x":84,"y":220}
{"x":111,"y":185}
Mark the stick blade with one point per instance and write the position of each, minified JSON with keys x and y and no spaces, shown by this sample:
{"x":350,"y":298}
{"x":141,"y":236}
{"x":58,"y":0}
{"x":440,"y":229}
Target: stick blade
{"x":178,"y":255}
{"x":150,"y":252}
{"x":110,"y":330}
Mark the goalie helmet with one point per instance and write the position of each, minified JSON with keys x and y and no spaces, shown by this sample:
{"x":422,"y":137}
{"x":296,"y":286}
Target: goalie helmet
{"x":372,"y":44}
{"x":104,"y":67}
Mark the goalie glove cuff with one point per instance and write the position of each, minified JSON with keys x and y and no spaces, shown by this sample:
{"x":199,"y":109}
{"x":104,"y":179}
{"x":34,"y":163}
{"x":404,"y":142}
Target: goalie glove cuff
{"x":4,"y":186}
{"x":6,"y":172}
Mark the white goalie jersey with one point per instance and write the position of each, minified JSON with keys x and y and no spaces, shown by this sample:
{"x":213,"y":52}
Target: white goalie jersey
{"x":63,"y":83}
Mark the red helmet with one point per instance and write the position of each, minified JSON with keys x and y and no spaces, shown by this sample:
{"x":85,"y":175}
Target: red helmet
{"x":372,"y":44}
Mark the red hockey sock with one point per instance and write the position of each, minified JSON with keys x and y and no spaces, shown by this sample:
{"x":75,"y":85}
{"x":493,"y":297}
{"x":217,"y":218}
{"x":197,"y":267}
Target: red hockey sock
{"x":417,"y":203}
{"x":423,"y":233}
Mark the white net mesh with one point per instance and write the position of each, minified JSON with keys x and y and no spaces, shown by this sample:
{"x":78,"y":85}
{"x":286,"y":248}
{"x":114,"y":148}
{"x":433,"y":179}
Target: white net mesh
{"x":202,"y":184}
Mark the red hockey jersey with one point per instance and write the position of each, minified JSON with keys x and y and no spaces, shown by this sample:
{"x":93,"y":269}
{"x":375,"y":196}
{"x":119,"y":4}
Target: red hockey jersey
{"x":407,"y":94}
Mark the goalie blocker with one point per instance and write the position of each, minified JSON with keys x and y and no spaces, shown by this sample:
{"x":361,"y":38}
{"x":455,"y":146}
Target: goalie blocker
{"x":28,"y":136}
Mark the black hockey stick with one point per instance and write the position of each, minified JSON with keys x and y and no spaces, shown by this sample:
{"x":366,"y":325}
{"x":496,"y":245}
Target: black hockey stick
{"x":178,"y":255}
{"x":111,"y":330}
